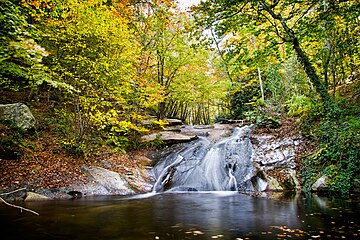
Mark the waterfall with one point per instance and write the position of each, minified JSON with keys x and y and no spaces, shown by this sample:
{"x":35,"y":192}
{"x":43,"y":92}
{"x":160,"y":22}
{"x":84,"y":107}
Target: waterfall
{"x":202,"y":165}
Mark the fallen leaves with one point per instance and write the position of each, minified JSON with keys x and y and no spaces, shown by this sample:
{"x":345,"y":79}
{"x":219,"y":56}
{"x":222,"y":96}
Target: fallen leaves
{"x":47,"y":165}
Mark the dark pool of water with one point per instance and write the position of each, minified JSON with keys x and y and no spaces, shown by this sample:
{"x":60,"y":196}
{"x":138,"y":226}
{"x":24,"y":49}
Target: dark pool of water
{"x":219,"y":215}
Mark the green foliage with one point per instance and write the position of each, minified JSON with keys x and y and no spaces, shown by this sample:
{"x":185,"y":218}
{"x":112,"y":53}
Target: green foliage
{"x":301,"y":106}
{"x":287,"y":87}
{"x":244,"y":99}
{"x":20,"y":55}
{"x":337,"y":155}
{"x":11,"y":141}
{"x":74,"y":146}
{"x":262,"y":120}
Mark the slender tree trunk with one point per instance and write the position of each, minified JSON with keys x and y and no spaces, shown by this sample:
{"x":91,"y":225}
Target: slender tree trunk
{"x":261,"y":85}
{"x":253,"y":41}
{"x":330,"y":106}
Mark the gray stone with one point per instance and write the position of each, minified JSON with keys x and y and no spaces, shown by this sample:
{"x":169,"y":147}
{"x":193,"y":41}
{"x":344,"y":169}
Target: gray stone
{"x":19,"y":114}
{"x":173,"y":121}
{"x":276,"y":157}
{"x":320,"y":184}
{"x":104,"y":182}
{"x":272,"y":153}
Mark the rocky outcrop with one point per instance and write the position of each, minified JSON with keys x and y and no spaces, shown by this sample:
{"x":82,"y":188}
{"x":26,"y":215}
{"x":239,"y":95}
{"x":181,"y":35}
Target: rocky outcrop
{"x":105,"y":182}
{"x":275,"y":158}
{"x":18,"y":114}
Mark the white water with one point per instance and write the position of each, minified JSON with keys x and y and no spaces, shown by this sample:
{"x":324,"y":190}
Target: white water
{"x":204,"y":166}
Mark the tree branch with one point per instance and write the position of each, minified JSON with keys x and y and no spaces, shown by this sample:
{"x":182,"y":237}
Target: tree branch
{"x":275,"y":27}
{"x":17,"y":190}
{"x":274,"y":4}
{"x":15,"y":206}
{"x":305,"y":12}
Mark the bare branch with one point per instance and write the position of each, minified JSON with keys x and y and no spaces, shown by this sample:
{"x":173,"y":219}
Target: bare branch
{"x":17,"y":190}
{"x":221,"y":55}
{"x":21,"y":208}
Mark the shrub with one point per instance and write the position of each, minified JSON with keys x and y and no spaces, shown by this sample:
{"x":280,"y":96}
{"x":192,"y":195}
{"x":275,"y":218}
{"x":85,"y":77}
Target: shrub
{"x":337,"y":155}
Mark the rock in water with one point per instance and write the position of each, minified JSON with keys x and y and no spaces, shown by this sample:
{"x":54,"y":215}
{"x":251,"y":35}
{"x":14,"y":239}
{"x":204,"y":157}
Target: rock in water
{"x":19,"y":114}
{"x":33,"y":197}
{"x":320,"y":184}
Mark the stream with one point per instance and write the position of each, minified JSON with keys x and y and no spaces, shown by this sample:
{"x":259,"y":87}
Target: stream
{"x":186,"y":215}
{"x":205,"y":190}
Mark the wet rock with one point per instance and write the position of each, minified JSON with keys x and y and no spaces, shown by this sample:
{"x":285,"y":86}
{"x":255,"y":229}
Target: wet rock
{"x":276,"y":158}
{"x":320,"y":184}
{"x":33,"y":197}
{"x":19,"y":114}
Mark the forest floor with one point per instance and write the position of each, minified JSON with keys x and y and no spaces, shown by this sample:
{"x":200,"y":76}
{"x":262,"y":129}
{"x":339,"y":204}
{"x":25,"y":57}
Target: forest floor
{"x":49,"y":167}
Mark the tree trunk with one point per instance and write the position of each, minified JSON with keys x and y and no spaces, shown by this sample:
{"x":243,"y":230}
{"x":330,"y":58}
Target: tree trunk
{"x":330,"y":106}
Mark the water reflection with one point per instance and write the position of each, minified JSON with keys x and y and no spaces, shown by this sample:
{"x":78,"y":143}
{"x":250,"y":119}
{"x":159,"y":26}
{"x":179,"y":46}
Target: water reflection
{"x":201,"y":215}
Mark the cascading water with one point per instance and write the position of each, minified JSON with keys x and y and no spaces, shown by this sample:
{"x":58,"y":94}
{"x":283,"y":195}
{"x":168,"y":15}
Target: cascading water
{"x":225,"y":165}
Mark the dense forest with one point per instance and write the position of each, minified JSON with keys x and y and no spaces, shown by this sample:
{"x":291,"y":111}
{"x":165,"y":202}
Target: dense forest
{"x":99,"y":74}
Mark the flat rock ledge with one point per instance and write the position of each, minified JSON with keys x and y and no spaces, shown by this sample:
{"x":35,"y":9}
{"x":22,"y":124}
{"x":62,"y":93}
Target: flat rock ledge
{"x":169,"y":137}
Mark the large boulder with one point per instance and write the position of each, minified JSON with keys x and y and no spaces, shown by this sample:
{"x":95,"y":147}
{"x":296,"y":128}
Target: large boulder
{"x":104,"y":182}
{"x":19,"y":114}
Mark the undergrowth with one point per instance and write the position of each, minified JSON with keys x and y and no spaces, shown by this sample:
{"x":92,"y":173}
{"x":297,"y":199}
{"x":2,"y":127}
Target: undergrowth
{"x":337,"y":154}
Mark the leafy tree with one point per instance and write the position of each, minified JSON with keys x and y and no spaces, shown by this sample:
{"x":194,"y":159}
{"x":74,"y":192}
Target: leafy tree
{"x":173,"y":65}
{"x":280,"y":20}
{"x":93,"y":50}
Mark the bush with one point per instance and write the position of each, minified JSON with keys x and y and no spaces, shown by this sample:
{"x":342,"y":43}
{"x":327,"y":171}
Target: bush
{"x":337,"y":155}
{"x":11,"y":141}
